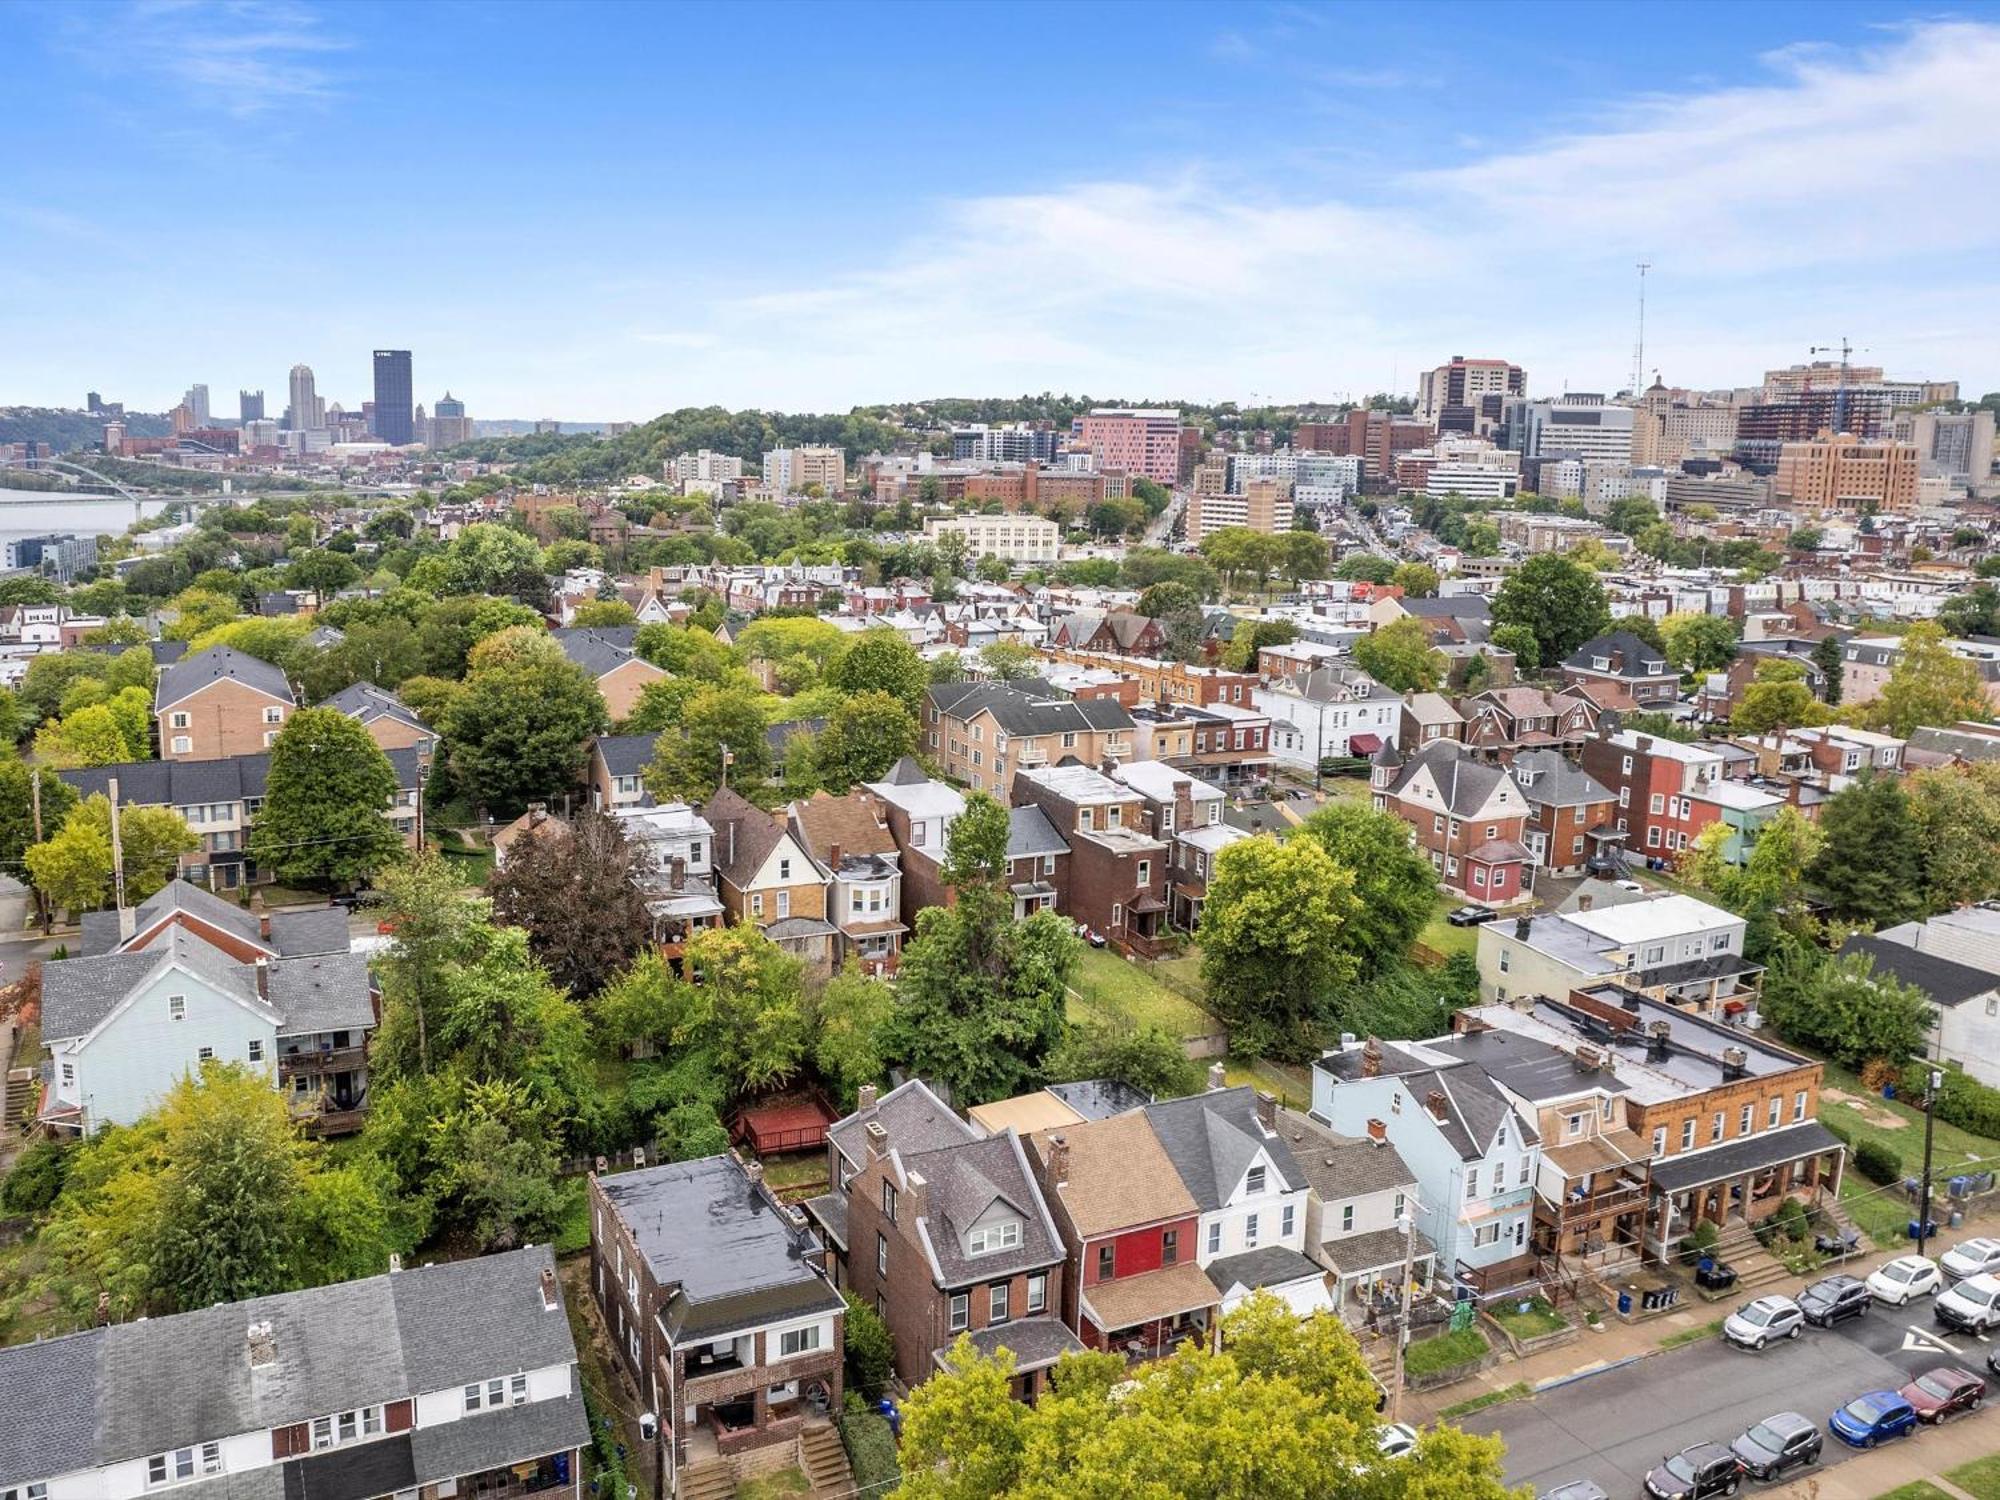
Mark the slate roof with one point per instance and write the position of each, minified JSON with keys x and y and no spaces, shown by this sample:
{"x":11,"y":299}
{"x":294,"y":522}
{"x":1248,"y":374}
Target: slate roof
{"x":1635,"y":652}
{"x":1268,"y":1265}
{"x":367,"y":702}
{"x":739,"y":1258}
{"x":1342,"y":1166}
{"x":1211,"y":1138}
{"x":124,"y":1391}
{"x":961,"y":1183}
{"x":1463,"y":782}
{"x":916,"y":1121}
{"x":1548,"y":779}
{"x":1946,"y":982}
{"x":189,"y":783}
{"x":598,"y":650}
{"x":626,"y":754}
{"x":1030,"y":707}
{"x":191,"y":674}
{"x":1030,"y":833}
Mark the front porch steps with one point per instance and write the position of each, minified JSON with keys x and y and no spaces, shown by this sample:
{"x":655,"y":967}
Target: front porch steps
{"x":824,"y":1458}
{"x":708,"y":1479}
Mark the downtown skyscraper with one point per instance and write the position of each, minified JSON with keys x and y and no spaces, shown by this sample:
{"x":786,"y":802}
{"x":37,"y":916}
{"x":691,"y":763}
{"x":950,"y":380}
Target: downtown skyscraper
{"x":394,"y":422}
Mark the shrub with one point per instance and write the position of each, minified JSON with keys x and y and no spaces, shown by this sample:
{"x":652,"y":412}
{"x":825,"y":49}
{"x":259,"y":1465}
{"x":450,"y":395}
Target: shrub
{"x":871,"y":1352}
{"x":1963,"y":1100}
{"x":1698,"y":1241}
{"x":1877,"y":1162}
{"x":1793,"y":1221}
{"x":871,"y":1449}
{"x":1446,"y":1351}
{"x":37,"y":1179}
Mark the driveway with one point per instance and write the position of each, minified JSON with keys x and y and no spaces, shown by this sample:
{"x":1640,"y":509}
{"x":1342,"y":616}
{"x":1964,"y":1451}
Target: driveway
{"x":1613,"y":1427}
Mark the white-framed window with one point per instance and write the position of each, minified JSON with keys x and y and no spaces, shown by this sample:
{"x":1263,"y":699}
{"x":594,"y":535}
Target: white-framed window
{"x":784,"y":904}
{"x":177,"y":1466}
{"x":183,"y":744}
{"x":177,"y":1007}
{"x":1659,"y":1140}
{"x":996,"y":1302}
{"x":1746,"y":1121}
{"x":991,"y":1237}
{"x":961,"y":1311}
{"x":1215,"y":1238}
{"x":1777,"y":1113}
{"x":517,"y":1390}
{"x":1658,"y":804}
{"x":179,"y":720}
{"x":1798,"y":1106}
{"x":1526,"y":1166}
{"x":69,"y":1081}
{"x":1347,"y":1218}
{"x":1038,"y":1293}
{"x":1486,"y":1234}
{"x":1145,"y":873}
{"x":484,"y":1395}
{"x":274,"y":716}
{"x":1249,"y":1231}
{"x":1253,"y":1181}
{"x":798,"y":1341}
{"x":270,"y":738}
{"x":1687,"y":1134}
{"x":881,"y":1254}
{"x":1715,"y":1127}
{"x":756,"y":903}
{"x":1471,"y":1183}
{"x":1573,"y":1124}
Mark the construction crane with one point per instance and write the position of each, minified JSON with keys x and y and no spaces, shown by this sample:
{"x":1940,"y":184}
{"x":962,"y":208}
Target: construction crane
{"x":1846,"y":351}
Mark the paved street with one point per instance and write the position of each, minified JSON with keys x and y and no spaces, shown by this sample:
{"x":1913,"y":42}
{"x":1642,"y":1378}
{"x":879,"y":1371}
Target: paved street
{"x":1613,"y":1427}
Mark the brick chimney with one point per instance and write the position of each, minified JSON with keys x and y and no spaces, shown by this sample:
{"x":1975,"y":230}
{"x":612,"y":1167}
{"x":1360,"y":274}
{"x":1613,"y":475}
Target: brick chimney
{"x":1267,"y":1110}
{"x":1378,"y":1132}
{"x":677,"y":873}
{"x":833,"y":856}
{"x":754,"y":1171}
{"x":865,"y":1096}
{"x":263,"y":1345}
{"x":1217,"y":1078}
{"x":550,"y":1302}
{"x":1058,"y":1160}
{"x":263,"y":978}
{"x":878,"y":1140}
{"x":1437,"y":1104}
{"x":1371,"y":1058}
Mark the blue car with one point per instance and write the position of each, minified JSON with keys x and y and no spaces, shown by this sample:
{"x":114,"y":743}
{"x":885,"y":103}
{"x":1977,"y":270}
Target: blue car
{"x":1873,"y":1418}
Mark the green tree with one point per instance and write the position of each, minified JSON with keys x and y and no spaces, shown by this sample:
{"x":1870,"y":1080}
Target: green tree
{"x":1416,"y":580}
{"x":73,"y":867}
{"x":1563,"y":605}
{"x":747,"y":1005}
{"x":1974,"y":612}
{"x":688,"y":767}
{"x":326,"y":794}
{"x":1365,"y":567}
{"x":521,"y":731}
{"x":1401,"y":657}
{"x":434,"y":919}
{"x":1521,"y":641}
{"x":1148,"y":1059}
{"x":1827,"y":657}
{"x":603,"y":614}
{"x":1395,"y":889}
{"x":91,"y":736}
{"x":495,"y":560}
{"x":851,"y":1023}
{"x":1482,"y":539}
{"x":683,"y":651}
{"x":881,"y":661}
{"x":1009,"y":661}
{"x":1869,"y":867}
{"x":870,"y":1350}
{"x":1274,"y":942}
{"x":323,"y":573}
{"x":1927,"y":685}
{"x":868,"y":733}
{"x":1842,"y":1007}
{"x":1777,"y":696}
{"x":1699,"y":642}
{"x":575,"y":895}
{"x":197,"y":610}
{"x":976,"y":843}
{"x":20,"y":784}
{"x":1957,"y":816}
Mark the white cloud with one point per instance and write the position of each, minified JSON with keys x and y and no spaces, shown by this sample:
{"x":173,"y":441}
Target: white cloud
{"x":241,"y":58}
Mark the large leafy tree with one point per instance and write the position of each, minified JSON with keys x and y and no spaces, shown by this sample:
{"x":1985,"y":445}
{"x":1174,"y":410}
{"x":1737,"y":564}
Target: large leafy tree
{"x":73,"y":867}
{"x":1842,"y":1007}
{"x":1395,"y":889}
{"x":1869,"y":868}
{"x":1928,"y":685}
{"x":688,"y":766}
{"x":1699,"y":642}
{"x":1777,"y":697}
{"x":851,"y":1023}
{"x":521,"y":728}
{"x":574,"y":895}
{"x":323,"y":573}
{"x":868,"y":733}
{"x":1562,"y":603}
{"x":495,"y":560}
{"x":881,"y":661}
{"x":329,"y":786}
{"x":1957,"y":818}
{"x":20,"y":784}
{"x":1274,"y":941}
{"x":1827,"y":657}
{"x":1401,"y":657}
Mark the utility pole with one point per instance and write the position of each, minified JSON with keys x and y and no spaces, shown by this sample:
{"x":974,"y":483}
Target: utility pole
{"x":35,"y":808}
{"x":1932,"y":1083}
{"x":117,"y":852}
{"x":726,"y":759}
{"x":1409,"y":1225}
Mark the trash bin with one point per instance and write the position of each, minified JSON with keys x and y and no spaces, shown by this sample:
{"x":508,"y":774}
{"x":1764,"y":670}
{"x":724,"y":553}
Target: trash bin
{"x":1958,"y":1187}
{"x":1957,"y":1217}
{"x":1625,"y":1303}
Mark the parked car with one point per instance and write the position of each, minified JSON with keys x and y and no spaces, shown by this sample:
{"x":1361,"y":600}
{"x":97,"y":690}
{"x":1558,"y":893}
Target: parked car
{"x":1776,"y":1444}
{"x":1904,"y":1279}
{"x":1470,"y":916}
{"x":1970,"y":1258}
{"x":1757,"y":1323}
{"x":1973,"y":1306}
{"x":1834,"y":1299}
{"x":1944,"y":1392}
{"x":1575,"y":1489}
{"x":1397,"y":1440}
{"x":1696,"y":1473}
{"x":1873,"y":1418}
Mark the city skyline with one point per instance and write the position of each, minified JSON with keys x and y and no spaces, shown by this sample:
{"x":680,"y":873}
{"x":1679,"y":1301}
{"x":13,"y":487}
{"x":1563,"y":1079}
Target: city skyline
{"x":1309,"y":204}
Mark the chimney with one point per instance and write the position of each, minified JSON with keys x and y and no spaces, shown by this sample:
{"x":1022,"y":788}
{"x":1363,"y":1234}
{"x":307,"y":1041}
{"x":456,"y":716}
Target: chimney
{"x":1437,"y":1104}
{"x":677,"y":872}
{"x":864,"y":1097}
{"x":1267,"y":1111}
{"x":127,"y":921}
{"x":395,"y":1263}
{"x":1217,"y":1078}
{"x":878,"y":1140}
{"x":263,"y":1345}
{"x":264,"y":925}
{"x":1058,"y":1160}
{"x":833,"y":856}
{"x":1658,"y":1036}
{"x":1583,"y":900}
{"x":549,"y":1300}
{"x":1371,"y":1058}
{"x":1378,"y":1132}
{"x":1735,"y":1063}
{"x":1587,"y":1059}
{"x":1631,"y":999}
{"x":754,"y":1171}
{"x":1522,"y":927}
{"x":263,"y":978}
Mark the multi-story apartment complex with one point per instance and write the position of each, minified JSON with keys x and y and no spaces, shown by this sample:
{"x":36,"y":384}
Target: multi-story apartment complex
{"x":983,"y":732}
{"x":1007,"y":442}
{"x":1663,"y":789}
{"x":1468,"y":818}
{"x":1036,"y":487}
{"x":1013,"y":538}
{"x":1958,"y":445}
{"x":703,"y":472}
{"x":1375,"y":437}
{"x":1263,"y":505}
{"x":788,"y":471}
{"x":1450,"y":398}
{"x":1843,"y":475}
{"x":1139,"y":441}
{"x":1670,"y":426}
{"x":457,"y":1378}
{"x":221,"y":703}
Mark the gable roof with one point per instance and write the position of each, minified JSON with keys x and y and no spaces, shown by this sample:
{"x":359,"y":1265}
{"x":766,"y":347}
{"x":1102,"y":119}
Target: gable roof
{"x":367,"y":702}
{"x":626,"y":754}
{"x":189,"y":783}
{"x":745,"y":835}
{"x":1029,"y":707}
{"x":1463,"y":783}
{"x":1636,"y":657}
{"x":915,"y":1119}
{"x":1211,"y":1138}
{"x":1342,"y":1166}
{"x":193,"y":674}
{"x":599,"y":650}
{"x":1549,"y":779}
{"x":1118,"y":1175}
{"x":1030,"y":833}
{"x":1945,"y":981}
{"x":961,"y":1182}
{"x":851,"y":823}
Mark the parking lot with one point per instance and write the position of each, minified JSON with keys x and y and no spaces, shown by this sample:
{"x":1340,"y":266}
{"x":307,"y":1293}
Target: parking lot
{"x":1614,"y":1426}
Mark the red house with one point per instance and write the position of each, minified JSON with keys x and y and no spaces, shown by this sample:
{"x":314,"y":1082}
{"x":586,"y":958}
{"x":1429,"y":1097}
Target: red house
{"x":1469,"y":818}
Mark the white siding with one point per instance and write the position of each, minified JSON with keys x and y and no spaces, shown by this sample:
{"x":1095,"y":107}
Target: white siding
{"x":139,"y":1054}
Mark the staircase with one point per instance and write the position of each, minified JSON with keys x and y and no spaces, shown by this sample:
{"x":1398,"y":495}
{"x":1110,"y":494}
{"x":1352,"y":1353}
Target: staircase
{"x":1755,"y":1267}
{"x":17,"y":1110}
{"x":824,"y":1458}
{"x":708,"y":1479}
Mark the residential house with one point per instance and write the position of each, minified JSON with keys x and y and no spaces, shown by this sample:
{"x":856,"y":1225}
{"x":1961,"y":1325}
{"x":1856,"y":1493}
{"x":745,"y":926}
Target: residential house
{"x":458,"y":1378}
{"x":1664,"y":789}
{"x":1468,"y":818}
{"x":1474,"y":1155}
{"x":981,"y":733}
{"x":390,"y":722}
{"x":1360,"y":1217}
{"x":220,"y":703}
{"x":606,"y":654}
{"x":197,"y":981}
{"x":1222,"y":743}
{"x":1114,"y":632}
{"x":1332,"y":712}
{"x":673,"y":849}
{"x":1500,"y":723}
{"x":1837,"y":750}
{"x":766,"y":878}
{"x":1186,"y":814}
{"x":1057,"y":1106}
{"x":849,"y":837}
{"x":717,"y":1305}
{"x":1621,"y":672}
{"x":1572,"y":821}
{"x":1954,"y":960}
{"x":1428,"y":717}
{"x":1166,"y":682}
{"x":220,"y":799}
{"x":945,"y":1233}
{"x":1038,"y":861}
{"x":617,"y":771}
{"x":1666,"y":945}
{"x":1118,"y":871}
{"x":919,"y":811}
{"x":1129,"y":1229}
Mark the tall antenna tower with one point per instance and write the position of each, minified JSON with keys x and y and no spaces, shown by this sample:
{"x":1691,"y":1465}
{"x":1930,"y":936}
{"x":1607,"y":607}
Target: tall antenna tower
{"x":1639,"y":349}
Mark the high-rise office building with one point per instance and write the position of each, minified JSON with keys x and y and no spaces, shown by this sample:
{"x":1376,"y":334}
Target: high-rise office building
{"x":307,"y":413}
{"x":249,"y":406}
{"x":196,"y":401}
{"x":1579,"y":426}
{"x":394,"y":420}
{"x":1449,"y":397}
{"x":450,"y":426}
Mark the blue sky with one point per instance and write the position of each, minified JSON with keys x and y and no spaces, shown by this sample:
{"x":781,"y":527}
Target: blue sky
{"x":604,"y":211}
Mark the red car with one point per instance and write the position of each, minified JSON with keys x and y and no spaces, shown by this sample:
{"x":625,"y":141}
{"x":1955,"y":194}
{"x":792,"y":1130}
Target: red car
{"x":1944,"y":1392}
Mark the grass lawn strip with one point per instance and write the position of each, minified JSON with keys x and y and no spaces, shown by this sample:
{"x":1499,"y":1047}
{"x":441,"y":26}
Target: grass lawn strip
{"x":1110,"y":990}
{"x":1980,"y":1478}
{"x":1446,"y":1351}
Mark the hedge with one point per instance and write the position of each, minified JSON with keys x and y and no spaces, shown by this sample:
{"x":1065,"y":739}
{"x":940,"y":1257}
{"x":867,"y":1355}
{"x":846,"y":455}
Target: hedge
{"x":1446,"y":1351}
{"x":1963,"y":1101}
{"x":871,"y":1450}
{"x":1877,"y":1162}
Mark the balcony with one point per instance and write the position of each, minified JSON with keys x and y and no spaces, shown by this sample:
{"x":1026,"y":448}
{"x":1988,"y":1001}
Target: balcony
{"x":1585,"y":1208}
{"x":323,"y":1060}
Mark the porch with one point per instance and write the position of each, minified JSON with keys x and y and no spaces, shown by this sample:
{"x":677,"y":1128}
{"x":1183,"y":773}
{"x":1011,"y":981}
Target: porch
{"x":1740,"y":1185}
{"x":1368,"y":1274}
{"x":1606,"y":1186}
{"x":730,"y":1404}
{"x":1150,"y":1315}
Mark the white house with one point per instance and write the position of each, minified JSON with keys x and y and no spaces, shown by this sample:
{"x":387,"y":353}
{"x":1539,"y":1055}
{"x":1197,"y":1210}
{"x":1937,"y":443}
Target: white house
{"x":1955,"y":960}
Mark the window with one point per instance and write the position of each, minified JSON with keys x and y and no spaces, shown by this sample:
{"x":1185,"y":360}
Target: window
{"x":961,"y":1311}
{"x":1048,"y":864}
{"x":1215,"y":1238}
{"x":993,"y":1237}
{"x":183,"y":744}
{"x":784,"y":904}
{"x":1249,"y":1231}
{"x":205,"y":1054}
{"x":917,"y":834}
{"x":1506,"y":964}
{"x":888,"y":1200}
{"x":1288,"y":1217}
{"x":798,"y":1341}
{"x":177,"y":1007}
{"x":179,"y":720}
{"x":1659,"y":1140}
{"x":1798,"y":1106}
{"x":274,"y":716}
{"x":1715,"y":1127}
{"x":1347,"y":1218}
{"x":1658,"y":804}
{"x":1687,"y":1134}
{"x":1471,"y":1183}
{"x":69,"y":1075}
{"x":257,"y":1049}
{"x":1573,"y":1124}
{"x":175,"y":1467}
{"x":1038,"y":1293}
{"x":1145,"y":873}
{"x":492,"y":1393}
{"x":1526,"y":1166}
{"x":1747,"y":1120}
{"x":1486,"y":1234}
{"x":881,"y":1254}
{"x":1479,"y":875}
{"x":1254,"y":1181}
{"x":756,"y":903}
{"x":1625,"y":766}
{"x":1084,"y":817}
{"x":996,"y":1302}
{"x":1777,"y":1112}
{"x":1402,"y":1203}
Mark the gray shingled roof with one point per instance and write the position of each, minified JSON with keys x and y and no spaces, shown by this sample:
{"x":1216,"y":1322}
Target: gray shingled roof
{"x":1637,"y":654}
{"x":916,"y":1121}
{"x":1946,"y":982}
{"x":1268,"y":1265}
{"x":319,"y":929}
{"x":1465,"y":783}
{"x":1034,"y":1342}
{"x":495,"y":1439}
{"x":626,"y":754}
{"x":1548,"y":779}
{"x":1211,"y":1138}
{"x":961,"y":1183}
{"x":217,"y":664}
{"x":597,"y":651}
{"x":188,"y":783}
{"x":78,"y":993}
{"x":327,"y":993}
{"x":1342,"y":1166}
{"x":367,"y":702}
{"x":1030,"y":833}
{"x":132,"y":1389}
{"x":1030,"y":708}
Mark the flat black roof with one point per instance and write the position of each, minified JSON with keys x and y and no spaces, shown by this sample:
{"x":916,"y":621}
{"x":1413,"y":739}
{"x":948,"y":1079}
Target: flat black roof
{"x":1535,"y":1070}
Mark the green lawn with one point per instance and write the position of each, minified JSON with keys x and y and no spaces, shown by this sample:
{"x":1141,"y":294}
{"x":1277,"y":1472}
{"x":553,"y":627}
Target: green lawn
{"x":1445,"y":1351}
{"x":1980,"y":1478}
{"x":1109,"y":990}
{"x":1440,"y":936}
{"x":795,"y":1169}
{"x":1540,"y":1318}
{"x":1916,"y":1489}
{"x":1292,"y":1085}
{"x":1867,"y":1117}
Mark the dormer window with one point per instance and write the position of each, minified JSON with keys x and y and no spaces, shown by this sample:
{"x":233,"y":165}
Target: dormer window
{"x":1254,"y":1182}
{"x":1601,"y":663}
{"x":989,"y":1238}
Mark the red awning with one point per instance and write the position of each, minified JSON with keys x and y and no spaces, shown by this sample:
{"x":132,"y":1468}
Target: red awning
{"x":1364,"y":744}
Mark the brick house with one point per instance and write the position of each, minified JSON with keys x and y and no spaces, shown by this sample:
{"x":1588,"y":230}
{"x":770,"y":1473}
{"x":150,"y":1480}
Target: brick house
{"x":1661,"y":787}
{"x":616,"y":774}
{"x":717,"y":1305}
{"x":1571,"y":818}
{"x":918,"y":811}
{"x":223,"y":702}
{"x":1622,"y":672}
{"x":390,"y":722}
{"x":945,"y":1232}
{"x":1162,"y":681}
{"x":849,"y":837}
{"x":1186,"y":814}
{"x":606,"y":655}
{"x":1223,"y":743}
{"x":1428,"y":717}
{"x":1500,"y":723}
{"x":1469,"y":818}
{"x":981,"y":733}
{"x":766,"y":878}
{"x":1118,"y":871}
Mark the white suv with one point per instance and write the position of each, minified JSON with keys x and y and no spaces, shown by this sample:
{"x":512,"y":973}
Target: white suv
{"x":1973,"y":1306}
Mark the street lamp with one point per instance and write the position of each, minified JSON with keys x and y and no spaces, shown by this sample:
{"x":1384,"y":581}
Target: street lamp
{"x":1932,"y":1084}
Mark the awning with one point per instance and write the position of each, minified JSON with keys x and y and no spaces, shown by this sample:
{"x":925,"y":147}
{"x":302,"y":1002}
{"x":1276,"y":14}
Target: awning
{"x":1375,"y":1250}
{"x":1753,"y":1153}
{"x":1363,"y":744}
{"x":1167,"y":1293}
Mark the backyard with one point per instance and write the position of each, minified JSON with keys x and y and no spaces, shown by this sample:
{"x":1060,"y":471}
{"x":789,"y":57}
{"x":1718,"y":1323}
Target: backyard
{"x":1858,"y":1115}
{"x":1109,"y":990}
{"x":1441,"y":937}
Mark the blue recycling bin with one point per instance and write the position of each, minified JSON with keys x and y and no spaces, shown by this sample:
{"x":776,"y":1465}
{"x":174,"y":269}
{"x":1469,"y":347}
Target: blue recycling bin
{"x":1625,"y":1303}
